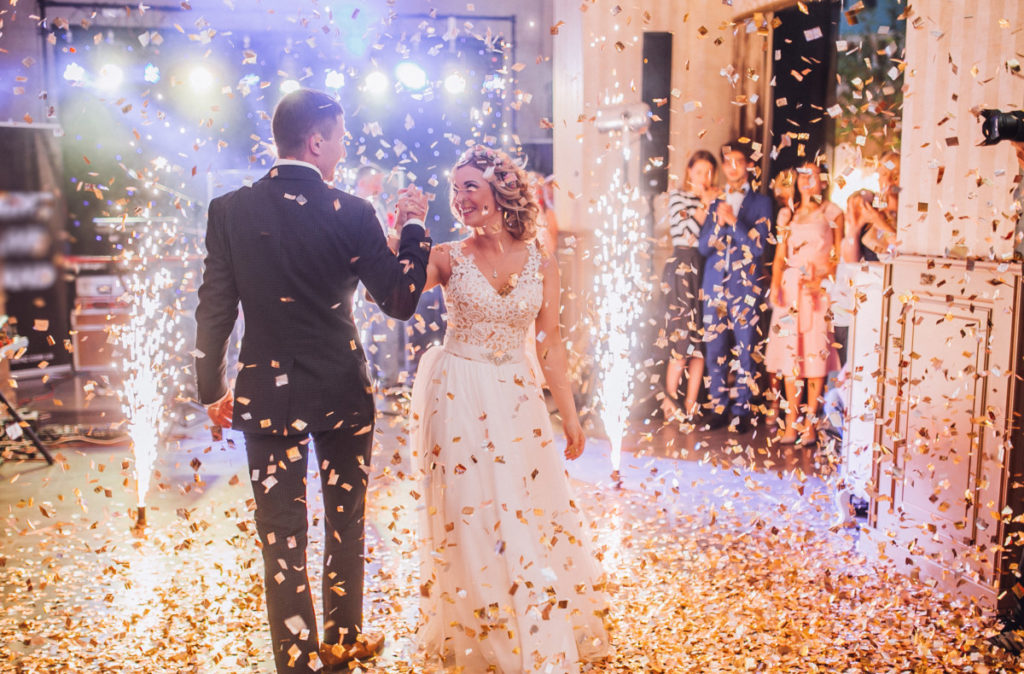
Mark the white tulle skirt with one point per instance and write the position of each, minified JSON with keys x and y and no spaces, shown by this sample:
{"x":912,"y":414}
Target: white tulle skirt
{"x":508,"y":580}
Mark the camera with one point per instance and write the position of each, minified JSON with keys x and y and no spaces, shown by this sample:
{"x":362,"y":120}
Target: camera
{"x":998,"y":125}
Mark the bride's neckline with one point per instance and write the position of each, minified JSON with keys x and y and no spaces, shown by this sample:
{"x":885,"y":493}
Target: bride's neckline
{"x":501,"y":289}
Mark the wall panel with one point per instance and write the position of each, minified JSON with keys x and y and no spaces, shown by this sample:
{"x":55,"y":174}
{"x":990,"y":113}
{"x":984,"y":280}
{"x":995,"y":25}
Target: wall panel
{"x":956,"y":196}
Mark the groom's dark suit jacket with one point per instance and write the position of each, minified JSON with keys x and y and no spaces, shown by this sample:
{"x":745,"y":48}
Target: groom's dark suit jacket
{"x":292,"y":250}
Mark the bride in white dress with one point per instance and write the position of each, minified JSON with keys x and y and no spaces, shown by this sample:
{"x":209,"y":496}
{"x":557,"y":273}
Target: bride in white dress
{"x":508,"y":581}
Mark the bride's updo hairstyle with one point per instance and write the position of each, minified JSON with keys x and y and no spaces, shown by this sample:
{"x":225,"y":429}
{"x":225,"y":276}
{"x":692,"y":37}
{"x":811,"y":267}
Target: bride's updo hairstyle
{"x":510,"y":186}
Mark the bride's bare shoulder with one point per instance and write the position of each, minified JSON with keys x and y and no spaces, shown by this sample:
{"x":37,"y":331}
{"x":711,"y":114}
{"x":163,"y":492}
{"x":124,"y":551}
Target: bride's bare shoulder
{"x":440,"y":264}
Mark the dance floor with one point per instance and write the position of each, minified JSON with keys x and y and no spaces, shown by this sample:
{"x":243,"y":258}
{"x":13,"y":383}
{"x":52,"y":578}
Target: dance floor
{"x":724,"y":555}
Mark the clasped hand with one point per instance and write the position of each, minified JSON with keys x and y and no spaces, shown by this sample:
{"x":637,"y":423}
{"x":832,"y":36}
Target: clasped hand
{"x":412,"y":203}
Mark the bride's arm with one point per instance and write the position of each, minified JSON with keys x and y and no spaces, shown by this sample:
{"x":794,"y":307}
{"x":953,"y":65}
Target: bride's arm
{"x":553,"y":359}
{"x":439,"y":267}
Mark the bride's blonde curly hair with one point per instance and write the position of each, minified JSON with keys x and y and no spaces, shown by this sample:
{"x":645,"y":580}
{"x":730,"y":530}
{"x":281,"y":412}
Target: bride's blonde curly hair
{"x":510,"y":186}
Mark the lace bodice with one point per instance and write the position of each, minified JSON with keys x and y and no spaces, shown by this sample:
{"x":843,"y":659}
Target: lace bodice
{"x":481,"y":317}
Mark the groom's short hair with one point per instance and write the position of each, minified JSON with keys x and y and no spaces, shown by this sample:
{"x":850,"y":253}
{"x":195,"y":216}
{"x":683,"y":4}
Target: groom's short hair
{"x":299,"y":115}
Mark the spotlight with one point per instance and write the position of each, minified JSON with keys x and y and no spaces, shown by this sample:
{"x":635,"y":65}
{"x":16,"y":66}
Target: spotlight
{"x":376,"y":82}
{"x":288,"y":86}
{"x":411,"y":75}
{"x":74,"y":73}
{"x":494,"y":82}
{"x":455,"y":83}
{"x":110,"y":77}
{"x":152,"y":74}
{"x":334,"y":80}
{"x":200,"y":79}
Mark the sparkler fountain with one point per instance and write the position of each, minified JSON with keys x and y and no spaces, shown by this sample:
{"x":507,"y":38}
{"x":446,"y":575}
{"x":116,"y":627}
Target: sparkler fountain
{"x":621,"y":284}
{"x":149,"y":342}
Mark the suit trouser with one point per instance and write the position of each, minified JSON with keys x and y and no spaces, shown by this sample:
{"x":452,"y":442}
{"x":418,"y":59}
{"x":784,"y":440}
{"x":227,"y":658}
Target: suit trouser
{"x":743,"y":322}
{"x":277,"y":466}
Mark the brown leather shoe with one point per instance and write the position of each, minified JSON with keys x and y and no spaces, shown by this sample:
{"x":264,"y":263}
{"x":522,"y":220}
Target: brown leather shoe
{"x":337,"y":656}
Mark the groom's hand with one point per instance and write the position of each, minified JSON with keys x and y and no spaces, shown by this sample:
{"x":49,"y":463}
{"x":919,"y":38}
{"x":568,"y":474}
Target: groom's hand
{"x":220,"y":412}
{"x":412,"y":204}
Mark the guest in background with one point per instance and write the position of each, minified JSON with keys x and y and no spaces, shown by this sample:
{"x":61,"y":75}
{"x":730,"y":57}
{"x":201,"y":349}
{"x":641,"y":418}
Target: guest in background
{"x":870,"y":220}
{"x":384,"y":336}
{"x":800,"y":339}
{"x":784,"y":189}
{"x":732,"y":242}
{"x":680,"y":281}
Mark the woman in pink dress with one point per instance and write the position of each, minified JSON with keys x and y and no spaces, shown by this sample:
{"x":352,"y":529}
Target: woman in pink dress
{"x":800,"y":340}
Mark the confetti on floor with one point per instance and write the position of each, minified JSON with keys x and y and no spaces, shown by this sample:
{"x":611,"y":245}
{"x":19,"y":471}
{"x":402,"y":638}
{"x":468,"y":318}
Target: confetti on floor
{"x":698,"y":586}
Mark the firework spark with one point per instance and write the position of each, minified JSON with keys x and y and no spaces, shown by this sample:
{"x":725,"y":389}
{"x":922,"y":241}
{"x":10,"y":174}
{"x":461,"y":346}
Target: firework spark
{"x":621,"y":287}
{"x":150,"y":342}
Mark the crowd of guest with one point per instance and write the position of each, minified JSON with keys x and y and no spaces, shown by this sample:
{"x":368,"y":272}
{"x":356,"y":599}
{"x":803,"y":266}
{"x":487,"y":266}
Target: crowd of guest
{"x":748,"y":316}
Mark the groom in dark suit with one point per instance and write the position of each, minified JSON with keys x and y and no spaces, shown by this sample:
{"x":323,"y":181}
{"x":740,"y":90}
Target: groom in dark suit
{"x":291,"y":250}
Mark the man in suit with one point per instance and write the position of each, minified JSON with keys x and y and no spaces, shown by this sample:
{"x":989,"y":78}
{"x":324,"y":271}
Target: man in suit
{"x":732,"y":242}
{"x":291,"y":250}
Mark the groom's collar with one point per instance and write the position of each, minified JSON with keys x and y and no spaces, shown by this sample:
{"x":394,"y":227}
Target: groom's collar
{"x":297,"y":162}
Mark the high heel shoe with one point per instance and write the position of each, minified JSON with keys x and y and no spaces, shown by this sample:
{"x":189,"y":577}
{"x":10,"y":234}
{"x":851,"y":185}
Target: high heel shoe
{"x":809,"y":436}
{"x":670,"y":410}
{"x":786,"y":439}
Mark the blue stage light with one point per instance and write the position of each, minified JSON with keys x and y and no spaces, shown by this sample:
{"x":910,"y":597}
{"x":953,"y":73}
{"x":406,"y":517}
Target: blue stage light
{"x":376,"y":82}
{"x":334,"y":80}
{"x":74,"y":72}
{"x":455,"y":83}
{"x":151,"y":73}
{"x":110,"y":77}
{"x":200,"y":79}
{"x":411,"y":75}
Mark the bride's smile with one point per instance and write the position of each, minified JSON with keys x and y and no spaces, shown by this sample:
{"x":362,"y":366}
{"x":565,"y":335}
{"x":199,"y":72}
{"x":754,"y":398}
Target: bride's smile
{"x":472,"y":199}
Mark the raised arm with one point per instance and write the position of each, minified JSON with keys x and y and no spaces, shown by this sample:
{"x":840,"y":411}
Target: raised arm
{"x":709,"y":230}
{"x":554,"y":361}
{"x":395,"y":284}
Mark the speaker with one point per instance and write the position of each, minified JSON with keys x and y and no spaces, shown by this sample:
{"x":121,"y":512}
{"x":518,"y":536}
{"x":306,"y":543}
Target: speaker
{"x":97,"y":308}
{"x":656,"y":89}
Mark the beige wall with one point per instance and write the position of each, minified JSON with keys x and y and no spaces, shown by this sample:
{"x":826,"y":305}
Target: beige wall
{"x":958,"y":214}
{"x":591,"y":71}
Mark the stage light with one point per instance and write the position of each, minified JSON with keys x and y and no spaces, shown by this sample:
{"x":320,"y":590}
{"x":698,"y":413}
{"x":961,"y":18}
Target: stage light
{"x":411,"y":75}
{"x":334,"y":80}
{"x":494,"y":82}
{"x":74,"y":73}
{"x":247,"y":83}
{"x":110,"y":77}
{"x":288,"y":86}
{"x":200,"y":79}
{"x":376,"y":82}
{"x":151,"y":73}
{"x":455,"y":83}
